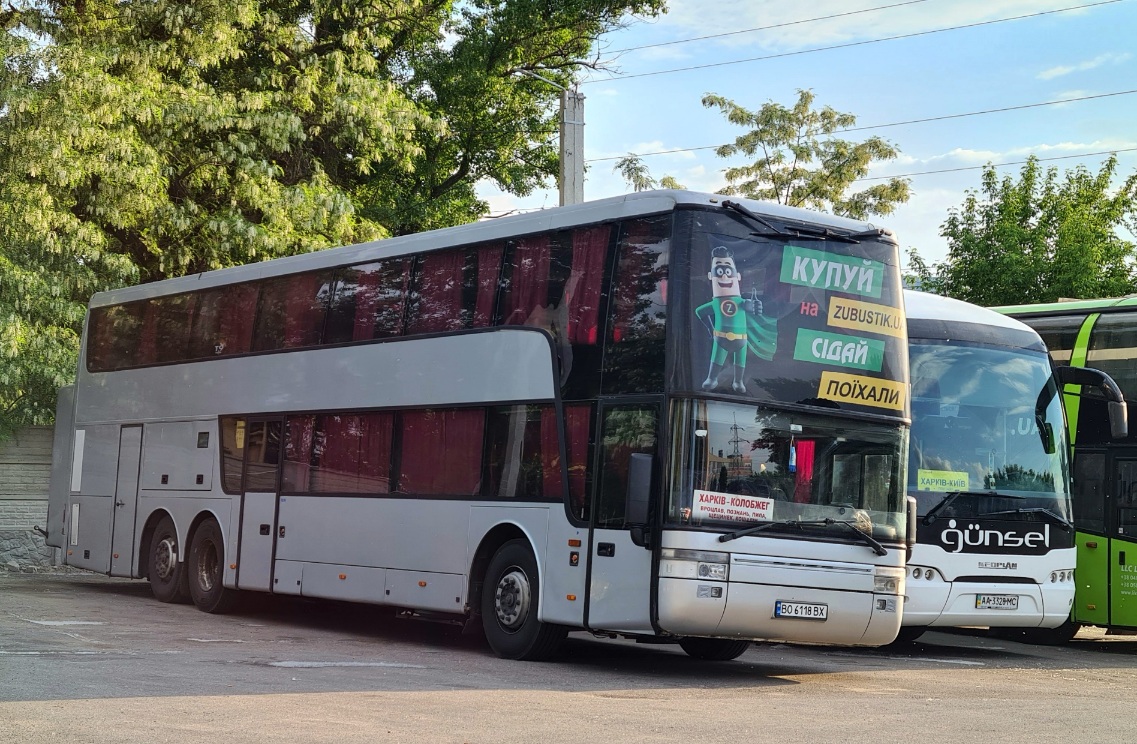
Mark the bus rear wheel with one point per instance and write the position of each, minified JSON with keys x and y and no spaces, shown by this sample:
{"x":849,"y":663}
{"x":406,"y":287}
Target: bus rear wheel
{"x":165,"y":565}
{"x":510,"y":597}
{"x":713,"y":649}
{"x":206,"y":568}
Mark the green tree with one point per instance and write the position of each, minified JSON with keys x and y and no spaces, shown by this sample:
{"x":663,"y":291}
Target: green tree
{"x":144,"y":139}
{"x":1040,"y":237}
{"x":633,"y":170}
{"x":797,"y":161}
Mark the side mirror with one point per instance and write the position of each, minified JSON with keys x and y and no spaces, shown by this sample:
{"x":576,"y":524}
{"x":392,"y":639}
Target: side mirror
{"x":1118,"y":411}
{"x":638,"y":497}
{"x":1046,"y":433}
{"x":910,"y":532}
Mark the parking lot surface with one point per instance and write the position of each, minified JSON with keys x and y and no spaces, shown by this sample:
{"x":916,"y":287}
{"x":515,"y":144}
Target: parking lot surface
{"x":87,"y":658}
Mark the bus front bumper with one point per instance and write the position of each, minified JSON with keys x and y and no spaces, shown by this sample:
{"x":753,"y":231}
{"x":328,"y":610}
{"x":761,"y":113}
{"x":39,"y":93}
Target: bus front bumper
{"x":952,"y":604}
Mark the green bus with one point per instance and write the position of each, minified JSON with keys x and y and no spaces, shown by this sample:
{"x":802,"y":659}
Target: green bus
{"x":1101,"y":334}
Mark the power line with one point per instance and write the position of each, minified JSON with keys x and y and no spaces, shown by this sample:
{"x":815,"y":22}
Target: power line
{"x":995,"y":165}
{"x":944,"y":117}
{"x":915,"y":173}
{"x":619,"y":78}
{"x":765,"y":28}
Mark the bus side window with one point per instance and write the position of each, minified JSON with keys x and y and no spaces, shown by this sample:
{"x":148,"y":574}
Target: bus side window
{"x":1089,"y":491}
{"x":626,"y":430}
{"x":369,"y":302}
{"x":262,"y":456}
{"x":232,"y":453}
{"x":441,"y":452}
{"x":290,"y":313}
{"x":452,"y":290}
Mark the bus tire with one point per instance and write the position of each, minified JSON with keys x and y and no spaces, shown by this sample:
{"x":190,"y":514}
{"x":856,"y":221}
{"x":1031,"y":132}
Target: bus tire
{"x":165,"y":564}
{"x":510,"y":597}
{"x":205,"y":569}
{"x":713,"y":649}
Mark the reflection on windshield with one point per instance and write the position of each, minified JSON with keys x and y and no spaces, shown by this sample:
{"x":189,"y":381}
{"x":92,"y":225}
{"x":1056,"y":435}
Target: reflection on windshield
{"x":744,"y":465}
{"x":975,"y":428}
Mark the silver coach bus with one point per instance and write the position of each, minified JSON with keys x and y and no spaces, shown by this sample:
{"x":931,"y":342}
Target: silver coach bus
{"x":665,"y":414}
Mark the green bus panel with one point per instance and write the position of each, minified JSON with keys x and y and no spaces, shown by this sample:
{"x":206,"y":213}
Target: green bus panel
{"x":1123,"y":587}
{"x":1091,"y":598}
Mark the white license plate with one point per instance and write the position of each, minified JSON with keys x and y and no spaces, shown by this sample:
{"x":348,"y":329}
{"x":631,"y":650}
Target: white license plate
{"x":996,"y":602}
{"x":801,"y":610}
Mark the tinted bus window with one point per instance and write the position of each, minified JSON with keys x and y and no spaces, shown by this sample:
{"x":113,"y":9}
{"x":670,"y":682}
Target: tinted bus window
{"x":522,"y":455}
{"x":369,"y":302}
{"x":441,"y":452}
{"x":453,"y":290}
{"x":1059,"y":335}
{"x":1113,"y":346}
{"x":290,"y":312}
{"x":223,"y":321}
{"x":338,"y":453}
{"x":633,"y":359}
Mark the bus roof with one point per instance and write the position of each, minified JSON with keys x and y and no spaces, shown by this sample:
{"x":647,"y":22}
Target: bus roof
{"x":925,"y":306}
{"x":1066,"y":307}
{"x":545,"y":220}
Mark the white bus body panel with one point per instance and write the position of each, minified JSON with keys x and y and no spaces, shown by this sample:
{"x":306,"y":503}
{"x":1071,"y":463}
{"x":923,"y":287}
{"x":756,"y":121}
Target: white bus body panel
{"x":944,"y":601}
{"x":63,"y":440}
{"x":765,"y":570}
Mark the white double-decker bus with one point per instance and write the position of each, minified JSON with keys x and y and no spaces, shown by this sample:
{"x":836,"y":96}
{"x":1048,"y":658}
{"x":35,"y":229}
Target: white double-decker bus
{"x":989,"y":470}
{"x":663,"y":415}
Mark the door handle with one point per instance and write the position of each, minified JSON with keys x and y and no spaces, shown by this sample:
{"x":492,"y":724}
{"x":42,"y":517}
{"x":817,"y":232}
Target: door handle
{"x":120,"y":503}
{"x":606,"y":549}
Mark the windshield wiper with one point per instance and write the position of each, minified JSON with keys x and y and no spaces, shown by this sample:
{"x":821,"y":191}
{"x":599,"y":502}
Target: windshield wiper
{"x":1054,"y":517}
{"x":764,"y":526}
{"x":953,"y":495}
{"x":773,"y":231}
{"x":868,"y":539}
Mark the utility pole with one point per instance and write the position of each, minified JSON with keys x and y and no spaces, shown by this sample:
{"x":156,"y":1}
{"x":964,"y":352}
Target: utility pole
{"x":572,"y":141}
{"x":572,"y":146}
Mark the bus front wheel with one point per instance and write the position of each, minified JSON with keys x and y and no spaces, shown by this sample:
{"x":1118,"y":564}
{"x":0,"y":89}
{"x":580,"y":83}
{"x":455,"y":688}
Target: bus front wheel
{"x":509,"y":606}
{"x":713,"y":649}
{"x":206,"y":567}
{"x":165,"y":565}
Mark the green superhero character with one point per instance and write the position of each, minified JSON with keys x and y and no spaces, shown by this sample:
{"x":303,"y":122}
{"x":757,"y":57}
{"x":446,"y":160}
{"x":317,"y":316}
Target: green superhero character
{"x":725,"y":316}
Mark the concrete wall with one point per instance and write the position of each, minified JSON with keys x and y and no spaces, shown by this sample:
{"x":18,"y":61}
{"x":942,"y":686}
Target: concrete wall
{"x":25,"y":469}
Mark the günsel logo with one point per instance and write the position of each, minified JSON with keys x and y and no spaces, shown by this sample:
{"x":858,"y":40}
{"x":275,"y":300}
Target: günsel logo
{"x":975,"y":539}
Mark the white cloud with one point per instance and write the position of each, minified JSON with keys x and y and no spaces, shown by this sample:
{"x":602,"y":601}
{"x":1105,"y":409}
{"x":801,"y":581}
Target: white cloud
{"x":1110,"y":58}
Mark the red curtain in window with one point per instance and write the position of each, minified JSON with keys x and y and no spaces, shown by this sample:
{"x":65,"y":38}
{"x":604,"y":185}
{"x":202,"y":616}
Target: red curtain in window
{"x":438,"y":305}
{"x":442,"y":452}
{"x":551,"y":486}
{"x":303,"y":309}
{"x":489,"y":274}
{"x":525,"y":300}
{"x":803,"y":490}
{"x":297,"y":453}
{"x":578,"y":422}
{"x":375,"y":452}
{"x":235,"y":330}
{"x":148,"y":340}
{"x":366,"y":300}
{"x":337,"y":466}
{"x":582,"y":292}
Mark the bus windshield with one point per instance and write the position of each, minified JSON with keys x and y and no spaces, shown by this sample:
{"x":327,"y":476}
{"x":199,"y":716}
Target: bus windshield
{"x":976,"y":418}
{"x":745,"y":465}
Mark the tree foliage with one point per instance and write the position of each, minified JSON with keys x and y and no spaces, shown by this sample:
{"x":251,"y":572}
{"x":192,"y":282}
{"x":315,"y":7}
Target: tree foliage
{"x":144,"y":139}
{"x":635,"y":172}
{"x":798,"y":162}
{"x":1039,"y":237}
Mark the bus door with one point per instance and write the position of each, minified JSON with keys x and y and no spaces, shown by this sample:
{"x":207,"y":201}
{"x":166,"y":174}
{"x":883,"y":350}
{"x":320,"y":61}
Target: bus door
{"x":261,"y":444}
{"x":125,"y":510}
{"x":620,"y":577}
{"x":1123,"y":545}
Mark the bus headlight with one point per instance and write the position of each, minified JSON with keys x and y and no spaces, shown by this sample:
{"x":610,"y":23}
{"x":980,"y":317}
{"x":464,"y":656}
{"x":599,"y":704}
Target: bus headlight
{"x":887,"y":580}
{"x":701,"y":564}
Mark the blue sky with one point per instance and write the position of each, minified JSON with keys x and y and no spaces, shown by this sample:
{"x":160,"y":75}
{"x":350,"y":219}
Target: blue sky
{"x":1042,"y":59}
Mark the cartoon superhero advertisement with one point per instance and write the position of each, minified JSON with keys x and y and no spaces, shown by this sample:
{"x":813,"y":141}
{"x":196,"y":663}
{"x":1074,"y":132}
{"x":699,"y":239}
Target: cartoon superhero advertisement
{"x":819,"y":323}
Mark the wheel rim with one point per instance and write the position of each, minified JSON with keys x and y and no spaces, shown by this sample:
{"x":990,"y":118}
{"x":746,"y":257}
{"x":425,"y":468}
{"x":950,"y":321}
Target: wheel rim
{"x":512,"y":598}
{"x":165,"y":557}
{"x":207,"y":566}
